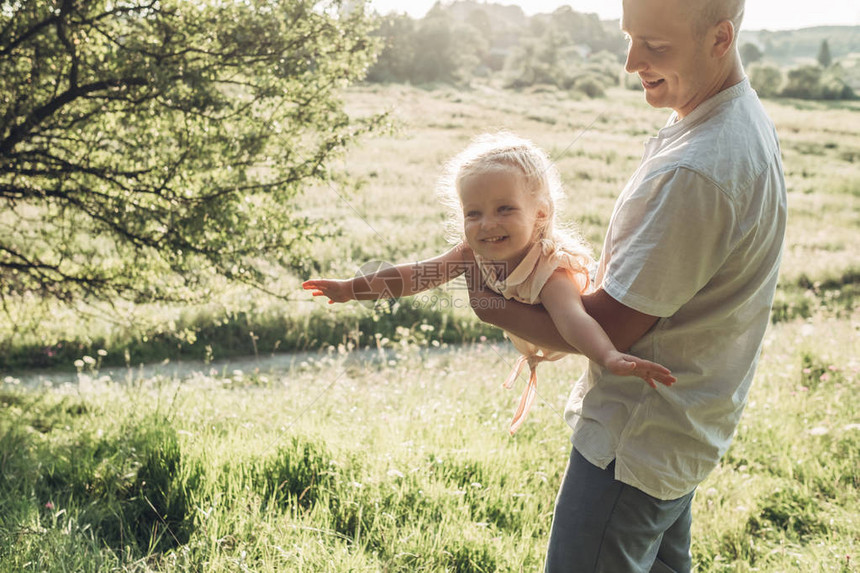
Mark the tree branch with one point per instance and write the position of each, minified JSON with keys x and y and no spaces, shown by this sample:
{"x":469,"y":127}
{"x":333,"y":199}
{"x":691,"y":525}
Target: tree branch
{"x":64,"y":167}
{"x":27,"y":35}
{"x":19,"y":132}
{"x":65,"y":11}
{"x":25,"y":262}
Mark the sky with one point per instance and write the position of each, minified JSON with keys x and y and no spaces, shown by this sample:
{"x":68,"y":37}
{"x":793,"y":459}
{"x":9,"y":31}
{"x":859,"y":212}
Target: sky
{"x":760,"y":14}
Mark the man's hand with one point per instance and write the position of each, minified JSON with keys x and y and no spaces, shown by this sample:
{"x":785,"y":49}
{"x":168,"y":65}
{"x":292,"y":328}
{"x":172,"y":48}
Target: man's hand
{"x":335,"y":290}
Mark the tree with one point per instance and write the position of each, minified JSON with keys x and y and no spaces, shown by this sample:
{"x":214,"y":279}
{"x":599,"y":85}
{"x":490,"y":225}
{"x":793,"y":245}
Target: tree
{"x":147,"y":146}
{"x":577,"y":28}
{"x":480,"y":21}
{"x":824,"y":57}
{"x":444,"y":50}
{"x":527,"y":65}
{"x":395,"y":61}
{"x":433,"y":47}
{"x":833,"y":84}
{"x":765,"y":79}
{"x":803,"y":83}
{"x":750,"y":53}
{"x":813,"y":82}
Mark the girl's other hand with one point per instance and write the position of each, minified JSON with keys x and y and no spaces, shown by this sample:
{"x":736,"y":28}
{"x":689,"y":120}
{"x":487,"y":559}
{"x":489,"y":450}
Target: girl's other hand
{"x":335,"y":290}
{"x":651,"y":372}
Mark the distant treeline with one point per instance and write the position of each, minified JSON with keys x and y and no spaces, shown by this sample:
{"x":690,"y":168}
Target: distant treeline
{"x":465,"y":40}
{"x":789,"y":48}
{"x":459,"y":42}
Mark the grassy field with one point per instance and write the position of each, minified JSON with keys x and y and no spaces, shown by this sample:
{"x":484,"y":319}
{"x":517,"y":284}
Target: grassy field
{"x":397,"y":458}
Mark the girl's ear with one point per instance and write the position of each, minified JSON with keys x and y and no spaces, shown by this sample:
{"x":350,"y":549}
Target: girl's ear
{"x":541,"y":220}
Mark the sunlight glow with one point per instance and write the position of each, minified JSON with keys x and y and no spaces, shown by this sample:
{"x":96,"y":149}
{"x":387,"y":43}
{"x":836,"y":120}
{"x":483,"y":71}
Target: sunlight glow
{"x":760,"y":14}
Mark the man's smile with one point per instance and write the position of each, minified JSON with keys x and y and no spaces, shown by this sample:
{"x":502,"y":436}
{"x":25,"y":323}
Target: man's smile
{"x":651,"y":84}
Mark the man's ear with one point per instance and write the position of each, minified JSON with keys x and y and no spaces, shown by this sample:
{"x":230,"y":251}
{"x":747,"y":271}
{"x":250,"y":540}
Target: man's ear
{"x":723,"y":38}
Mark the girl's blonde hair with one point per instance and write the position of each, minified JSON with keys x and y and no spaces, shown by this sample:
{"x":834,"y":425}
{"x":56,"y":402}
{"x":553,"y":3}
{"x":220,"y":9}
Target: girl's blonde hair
{"x":491,"y":152}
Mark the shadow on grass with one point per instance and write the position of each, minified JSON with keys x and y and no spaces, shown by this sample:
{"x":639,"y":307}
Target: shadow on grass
{"x":132,"y":488}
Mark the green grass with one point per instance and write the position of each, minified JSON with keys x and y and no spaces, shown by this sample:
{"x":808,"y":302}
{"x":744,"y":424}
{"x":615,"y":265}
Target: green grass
{"x":398,"y":458}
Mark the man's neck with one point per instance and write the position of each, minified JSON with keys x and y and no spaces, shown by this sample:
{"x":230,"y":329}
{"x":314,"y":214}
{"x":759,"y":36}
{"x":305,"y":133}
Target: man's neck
{"x":732,"y":75}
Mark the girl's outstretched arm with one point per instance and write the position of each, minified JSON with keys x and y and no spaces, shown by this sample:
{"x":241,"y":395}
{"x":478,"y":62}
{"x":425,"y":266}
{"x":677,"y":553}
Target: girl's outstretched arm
{"x":561,"y":298}
{"x":393,"y":282}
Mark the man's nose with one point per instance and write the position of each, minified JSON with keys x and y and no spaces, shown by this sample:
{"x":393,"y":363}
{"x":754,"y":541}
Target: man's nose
{"x":635,"y":62}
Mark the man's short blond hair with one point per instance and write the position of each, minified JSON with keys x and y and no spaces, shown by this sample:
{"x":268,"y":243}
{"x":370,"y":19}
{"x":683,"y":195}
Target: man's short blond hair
{"x":706,"y":13}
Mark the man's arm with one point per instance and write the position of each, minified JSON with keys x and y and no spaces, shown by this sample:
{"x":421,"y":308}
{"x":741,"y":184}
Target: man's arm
{"x":622,"y":324}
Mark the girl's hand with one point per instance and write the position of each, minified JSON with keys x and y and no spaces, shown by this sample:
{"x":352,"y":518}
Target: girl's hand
{"x":627,"y":365}
{"x":335,"y":290}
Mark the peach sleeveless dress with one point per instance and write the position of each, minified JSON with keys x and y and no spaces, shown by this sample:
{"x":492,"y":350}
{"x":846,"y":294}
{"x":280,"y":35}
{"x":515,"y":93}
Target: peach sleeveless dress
{"x":524,"y":284}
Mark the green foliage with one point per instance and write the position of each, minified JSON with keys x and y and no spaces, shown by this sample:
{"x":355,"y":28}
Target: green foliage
{"x":824,"y":58}
{"x":803,"y":83}
{"x":834,"y":86}
{"x":579,"y":29}
{"x":551,"y":61}
{"x":750,"y":53}
{"x":788,"y":48}
{"x":392,"y":440}
{"x":147,"y":146}
{"x":479,"y":19}
{"x":465,"y":39}
{"x":436,"y":58}
{"x":813,"y":82}
{"x":589,"y":84}
{"x":765,"y":79}
{"x":436,"y":48}
{"x":395,"y":60}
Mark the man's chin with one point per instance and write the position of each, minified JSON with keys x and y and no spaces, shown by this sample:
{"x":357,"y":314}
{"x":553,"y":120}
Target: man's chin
{"x":655,"y":100}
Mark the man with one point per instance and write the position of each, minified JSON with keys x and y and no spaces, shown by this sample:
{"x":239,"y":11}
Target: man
{"x":686,"y":279}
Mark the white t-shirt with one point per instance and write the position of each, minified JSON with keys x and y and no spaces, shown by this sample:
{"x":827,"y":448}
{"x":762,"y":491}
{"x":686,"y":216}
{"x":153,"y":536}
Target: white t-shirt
{"x":695,"y":238}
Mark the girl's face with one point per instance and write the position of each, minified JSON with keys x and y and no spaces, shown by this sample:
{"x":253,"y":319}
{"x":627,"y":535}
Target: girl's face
{"x":499,"y":216}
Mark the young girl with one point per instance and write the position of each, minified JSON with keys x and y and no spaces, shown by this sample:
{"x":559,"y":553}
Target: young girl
{"x":502,"y":191}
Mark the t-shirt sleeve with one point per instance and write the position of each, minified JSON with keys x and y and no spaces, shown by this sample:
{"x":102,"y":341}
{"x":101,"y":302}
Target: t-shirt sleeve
{"x":669,"y":236}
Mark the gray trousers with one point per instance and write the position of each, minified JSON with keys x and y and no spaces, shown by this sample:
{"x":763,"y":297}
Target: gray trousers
{"x":603,"y":525}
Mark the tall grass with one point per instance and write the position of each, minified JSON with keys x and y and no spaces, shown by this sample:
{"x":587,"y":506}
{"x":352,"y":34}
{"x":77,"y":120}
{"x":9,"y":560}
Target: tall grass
{"x":398,"y":461}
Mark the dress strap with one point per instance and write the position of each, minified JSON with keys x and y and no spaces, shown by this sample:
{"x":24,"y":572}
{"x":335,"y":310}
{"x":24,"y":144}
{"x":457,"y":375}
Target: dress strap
{"x":529,"y":392}
{"x":515,"y":371}
{"x":526,"y":400}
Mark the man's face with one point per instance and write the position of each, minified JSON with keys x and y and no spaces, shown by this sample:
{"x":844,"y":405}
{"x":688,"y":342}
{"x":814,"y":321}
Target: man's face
{"x":673,"y":64}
